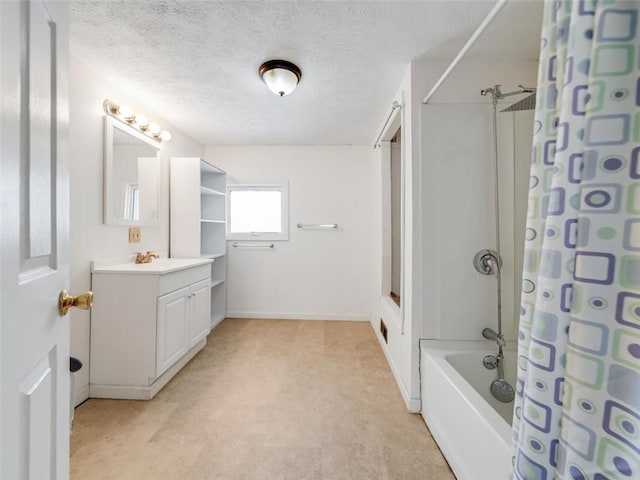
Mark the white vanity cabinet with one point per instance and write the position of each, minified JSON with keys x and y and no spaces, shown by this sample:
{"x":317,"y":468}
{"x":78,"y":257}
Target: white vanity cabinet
{"x":147,"y":322}
{"x":183,"y":320}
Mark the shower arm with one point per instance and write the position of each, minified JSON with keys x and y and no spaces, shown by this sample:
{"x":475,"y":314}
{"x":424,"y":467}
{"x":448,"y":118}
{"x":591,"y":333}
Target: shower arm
{"x":497,"y":94}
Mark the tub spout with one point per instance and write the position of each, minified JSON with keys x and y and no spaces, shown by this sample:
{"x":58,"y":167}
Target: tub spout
{"x":492,"y":335}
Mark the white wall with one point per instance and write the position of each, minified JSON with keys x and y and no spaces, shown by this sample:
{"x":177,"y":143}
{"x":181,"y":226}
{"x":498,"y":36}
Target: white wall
{"x":403,"y":330}
{"x":315,"y":274}
{"x":90,"y":239}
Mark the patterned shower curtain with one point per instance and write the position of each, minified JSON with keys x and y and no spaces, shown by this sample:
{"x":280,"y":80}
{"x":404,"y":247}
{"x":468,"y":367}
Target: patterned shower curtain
{"x":577,"y":410}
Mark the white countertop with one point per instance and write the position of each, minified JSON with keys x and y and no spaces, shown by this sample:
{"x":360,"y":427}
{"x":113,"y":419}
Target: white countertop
{"x":158,"y":266}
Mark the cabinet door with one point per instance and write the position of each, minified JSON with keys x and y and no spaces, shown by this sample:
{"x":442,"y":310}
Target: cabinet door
{"x":200,"y":311}
{"x":172,"y":334}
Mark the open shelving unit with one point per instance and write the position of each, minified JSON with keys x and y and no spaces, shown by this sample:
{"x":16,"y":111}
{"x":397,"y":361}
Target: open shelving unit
{"x":198,"y":221}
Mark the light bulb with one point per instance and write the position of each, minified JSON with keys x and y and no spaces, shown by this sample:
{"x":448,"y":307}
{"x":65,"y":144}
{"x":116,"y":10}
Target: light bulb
{"x":142,"y":122}
{"x":154,"y":129}
{"x":165,"y":136}
{"x":126,"y":112}
{"x":110,"y":107}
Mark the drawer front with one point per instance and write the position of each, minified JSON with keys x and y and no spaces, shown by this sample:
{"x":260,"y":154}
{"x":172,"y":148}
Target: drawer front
{"x":170,"y":282}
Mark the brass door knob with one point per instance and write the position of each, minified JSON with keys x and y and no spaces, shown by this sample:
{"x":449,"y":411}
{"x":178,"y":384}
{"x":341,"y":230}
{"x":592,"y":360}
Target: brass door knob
{"x":66,"y":301}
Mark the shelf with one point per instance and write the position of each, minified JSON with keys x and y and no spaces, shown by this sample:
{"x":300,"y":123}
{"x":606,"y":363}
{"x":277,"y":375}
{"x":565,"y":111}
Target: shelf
{"x":197,"y":210}
{"x":210,"y":191}
{"x":211,"y":255}
{"x":208,"y":168}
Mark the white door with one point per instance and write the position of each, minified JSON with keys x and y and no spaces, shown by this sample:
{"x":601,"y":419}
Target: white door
{"x":34,"y":223}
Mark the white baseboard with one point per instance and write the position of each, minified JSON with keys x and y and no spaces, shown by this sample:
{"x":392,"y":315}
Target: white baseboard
{"x":414,"y":405}
{"x":357,"y":317}
{"x":139,"y":392}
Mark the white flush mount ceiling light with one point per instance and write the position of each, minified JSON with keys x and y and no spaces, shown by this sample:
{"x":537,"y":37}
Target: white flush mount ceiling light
{"x":280,"y":76}
{"x":125,"y":114}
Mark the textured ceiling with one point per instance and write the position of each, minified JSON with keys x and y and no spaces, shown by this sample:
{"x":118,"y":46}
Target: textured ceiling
{"x":197,"y":61}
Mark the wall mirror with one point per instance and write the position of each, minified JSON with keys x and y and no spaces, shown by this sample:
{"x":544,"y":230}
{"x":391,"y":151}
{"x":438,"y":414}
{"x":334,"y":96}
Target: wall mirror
{"x":131,"y":176}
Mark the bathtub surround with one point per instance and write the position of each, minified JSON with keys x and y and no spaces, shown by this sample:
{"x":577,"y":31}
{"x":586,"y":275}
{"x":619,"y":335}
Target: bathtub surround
{"x":458,"y":225}
{"x":456,"y":193}
{"x":578,"y":407}
{"x":265,"y":399}
{"x":90,"y":238}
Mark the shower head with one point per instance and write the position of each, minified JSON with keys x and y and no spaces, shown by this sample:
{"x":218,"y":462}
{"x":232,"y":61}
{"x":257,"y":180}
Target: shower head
{"x":527,"y":103}
{"x":502,"y":391}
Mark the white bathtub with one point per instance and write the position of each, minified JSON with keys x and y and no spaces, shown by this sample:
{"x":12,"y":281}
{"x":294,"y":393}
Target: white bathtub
{"x":472,"y":429}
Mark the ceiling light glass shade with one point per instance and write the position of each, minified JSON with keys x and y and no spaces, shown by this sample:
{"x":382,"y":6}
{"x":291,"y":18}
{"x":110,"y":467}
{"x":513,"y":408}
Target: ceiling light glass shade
{"x":280,"y":76}
{"x":280,"y":81}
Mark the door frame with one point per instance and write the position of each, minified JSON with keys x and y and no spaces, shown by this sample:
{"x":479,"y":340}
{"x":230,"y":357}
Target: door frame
{"x":395,"y":122}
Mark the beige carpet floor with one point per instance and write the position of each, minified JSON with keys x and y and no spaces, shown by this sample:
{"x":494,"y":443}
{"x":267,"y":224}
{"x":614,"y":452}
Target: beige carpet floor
{"x":265,"y":399}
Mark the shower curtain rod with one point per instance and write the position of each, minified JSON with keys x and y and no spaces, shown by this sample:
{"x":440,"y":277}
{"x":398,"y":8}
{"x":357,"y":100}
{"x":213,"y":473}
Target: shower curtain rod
{"x":479,"y":31}
{"x":394,"y":105}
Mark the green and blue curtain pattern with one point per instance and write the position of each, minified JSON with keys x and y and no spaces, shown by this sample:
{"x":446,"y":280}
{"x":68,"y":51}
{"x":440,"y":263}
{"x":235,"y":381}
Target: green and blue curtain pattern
{"x":577,"y":408}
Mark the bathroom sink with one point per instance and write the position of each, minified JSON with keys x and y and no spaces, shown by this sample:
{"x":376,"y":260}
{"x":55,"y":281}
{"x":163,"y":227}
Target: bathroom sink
{"x":156,"y":267}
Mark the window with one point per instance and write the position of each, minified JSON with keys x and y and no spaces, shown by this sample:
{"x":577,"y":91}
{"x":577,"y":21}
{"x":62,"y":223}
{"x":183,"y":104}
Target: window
{"x":257,"y":212}
{"x":132,"y":201}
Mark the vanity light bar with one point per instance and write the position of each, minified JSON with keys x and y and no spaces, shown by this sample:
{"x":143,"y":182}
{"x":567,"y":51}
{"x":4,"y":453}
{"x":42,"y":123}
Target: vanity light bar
{"x":138,"y":121}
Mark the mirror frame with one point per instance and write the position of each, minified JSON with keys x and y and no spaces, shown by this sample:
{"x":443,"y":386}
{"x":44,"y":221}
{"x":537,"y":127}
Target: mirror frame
{"x":108,"y":197}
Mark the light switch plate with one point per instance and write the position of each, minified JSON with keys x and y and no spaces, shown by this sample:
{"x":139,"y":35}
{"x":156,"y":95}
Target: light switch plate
{"x":134,"y":235}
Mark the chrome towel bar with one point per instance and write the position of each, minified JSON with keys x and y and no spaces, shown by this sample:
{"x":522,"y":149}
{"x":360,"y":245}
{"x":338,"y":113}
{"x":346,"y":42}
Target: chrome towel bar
{"x":318,"y":225}
{"x":252,"y":245}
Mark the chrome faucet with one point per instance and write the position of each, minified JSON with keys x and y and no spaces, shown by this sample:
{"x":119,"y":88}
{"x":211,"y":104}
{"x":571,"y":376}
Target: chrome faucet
{"x":146,"y":257}
{"x":490,"y":334}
